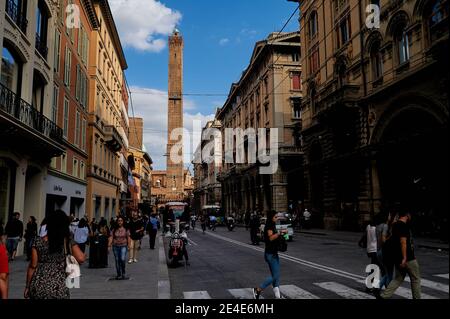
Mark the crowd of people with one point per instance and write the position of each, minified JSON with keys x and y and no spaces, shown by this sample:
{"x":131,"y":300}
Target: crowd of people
{"x":58,"y":236}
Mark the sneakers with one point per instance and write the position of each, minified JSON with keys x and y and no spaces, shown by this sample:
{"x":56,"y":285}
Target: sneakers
{"x":256,"y":293}
{"x":135,"y":260}
{"x":130,"y":261}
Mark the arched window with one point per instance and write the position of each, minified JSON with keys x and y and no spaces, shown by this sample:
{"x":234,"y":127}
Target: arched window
{"x":402,"y":40}
{"x":376,"y":61}
{"x":313,"y":24}
{"x":10,"y":70}
{"x":158,"y":183}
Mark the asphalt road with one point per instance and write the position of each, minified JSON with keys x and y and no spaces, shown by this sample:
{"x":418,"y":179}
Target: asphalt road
{"x":224,"y":265}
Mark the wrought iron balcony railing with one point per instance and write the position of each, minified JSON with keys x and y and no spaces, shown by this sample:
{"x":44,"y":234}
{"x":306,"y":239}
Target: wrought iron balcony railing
{"x":28,"y":115}
{"x":16,"y":14}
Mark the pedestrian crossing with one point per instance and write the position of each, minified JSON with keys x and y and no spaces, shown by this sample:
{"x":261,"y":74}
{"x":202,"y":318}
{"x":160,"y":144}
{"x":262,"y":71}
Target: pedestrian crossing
{"x":330,"y":289}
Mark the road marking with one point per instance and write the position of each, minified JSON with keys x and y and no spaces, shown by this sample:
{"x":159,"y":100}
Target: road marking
{"x":442,"y":276}
{"x":406,"y":293}
{"x":192,"y":242}
{"x":242,"y":293}
{"x":431,"y":284}
{"x":294,"y":292}
{"x":344,"y":291}
{"x":196,"y":295}
{"x":296,"y":260}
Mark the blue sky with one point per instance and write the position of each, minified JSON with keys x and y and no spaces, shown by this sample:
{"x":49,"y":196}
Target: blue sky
{"x":219,"y":38}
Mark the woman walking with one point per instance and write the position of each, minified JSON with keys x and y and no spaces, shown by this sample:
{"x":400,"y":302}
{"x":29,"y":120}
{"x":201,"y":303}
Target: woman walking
{"x":271,"y":238}
{"x":30,"y":235}
{"x":46,"y":275}
{"x":119,"y":241}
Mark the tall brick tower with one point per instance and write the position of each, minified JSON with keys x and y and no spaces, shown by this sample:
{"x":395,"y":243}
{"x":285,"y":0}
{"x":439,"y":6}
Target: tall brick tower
{"x":175,"y":183}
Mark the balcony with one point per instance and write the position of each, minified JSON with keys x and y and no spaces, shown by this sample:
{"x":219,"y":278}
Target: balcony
{"x":16,"y":15}
{"x":41,"y":46}
{"x":23,"y":126}
{"x":113,"y":139}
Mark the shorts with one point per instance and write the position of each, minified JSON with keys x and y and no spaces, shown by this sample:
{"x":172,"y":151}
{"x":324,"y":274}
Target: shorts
{"x":11,"y":244}
{"x":3,"y":260}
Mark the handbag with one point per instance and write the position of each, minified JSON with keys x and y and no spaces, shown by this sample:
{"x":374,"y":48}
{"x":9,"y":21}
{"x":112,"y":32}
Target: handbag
{"x":281,"y":244}
{"x":72,"y":266}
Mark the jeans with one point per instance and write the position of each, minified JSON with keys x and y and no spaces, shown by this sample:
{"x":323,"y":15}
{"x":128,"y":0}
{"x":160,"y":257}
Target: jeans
{"x":120,"y":254}
{"x":387,"y":269}
{"x":413,"y":271}
{"x":152,"y":239}
{"x":274,"y":265}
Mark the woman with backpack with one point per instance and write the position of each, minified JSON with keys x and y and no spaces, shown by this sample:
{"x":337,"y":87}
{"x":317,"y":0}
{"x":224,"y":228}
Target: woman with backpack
{"x":272,"y":239}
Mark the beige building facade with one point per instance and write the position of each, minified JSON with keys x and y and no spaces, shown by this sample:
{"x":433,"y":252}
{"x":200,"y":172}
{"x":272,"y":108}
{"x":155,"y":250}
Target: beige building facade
{"x":106,"y":131}
{"x":207,"y":189}
{"x":268,"y":95}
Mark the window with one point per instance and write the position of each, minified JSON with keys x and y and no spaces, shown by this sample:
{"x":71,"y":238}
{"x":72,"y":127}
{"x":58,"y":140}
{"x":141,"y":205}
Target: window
{"x":296,"y":108}
{"x":67,"y":66}
{"x":376,"y":61}
{"x":53,"y":163}
{"x":403,"y":40}
{"x":313,"y":24}
{"x":41,"y":28}
{"x":10,"y":71}
{"x":75,"y":167}
{"x":314,"y":61}
{"x":64,"y":163}
{"x":66,"y":118}
{"x":57,"y":52}
{"x":82,"y":170}
{"x":343,"y":31}
{"x":296,"y":81}
{"x":55,"y":104}
{"x":295,"y":57}
{"x":83,"y":135}
{"x":77,"y":129}
{"x":80,"y":41}
{"x":435,"y":16}
{"x":78,"y":83}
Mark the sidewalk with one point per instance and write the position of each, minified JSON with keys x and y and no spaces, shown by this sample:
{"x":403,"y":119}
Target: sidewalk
{"x":149,"y":278}
{"x":420,"y":242}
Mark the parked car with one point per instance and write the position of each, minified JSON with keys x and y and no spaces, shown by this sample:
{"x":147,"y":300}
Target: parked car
{"x":284,"y":222}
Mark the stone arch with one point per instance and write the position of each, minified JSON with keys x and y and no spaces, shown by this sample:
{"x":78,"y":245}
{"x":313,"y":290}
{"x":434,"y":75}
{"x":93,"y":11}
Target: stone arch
{"x":373,"y":38}
{"x":12,"y":44}
{"x":407,"y":101}
{"x":400,"y":18}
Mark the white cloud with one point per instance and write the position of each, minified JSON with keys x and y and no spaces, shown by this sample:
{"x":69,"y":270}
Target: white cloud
{"x":151,"y":105}
{"x":224,"y":41}
{"x":144,"y":24}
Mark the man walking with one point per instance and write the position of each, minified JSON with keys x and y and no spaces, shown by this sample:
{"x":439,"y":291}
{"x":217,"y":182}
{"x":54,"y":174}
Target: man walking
{"x":14,"y":234}
{"x":152,"y":229}
{"x":405,"y":260}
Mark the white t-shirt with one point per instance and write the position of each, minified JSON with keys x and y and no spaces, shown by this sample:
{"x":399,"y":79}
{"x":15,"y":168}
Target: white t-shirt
{"x":81,"y":235}
{"x":371,"y":239}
